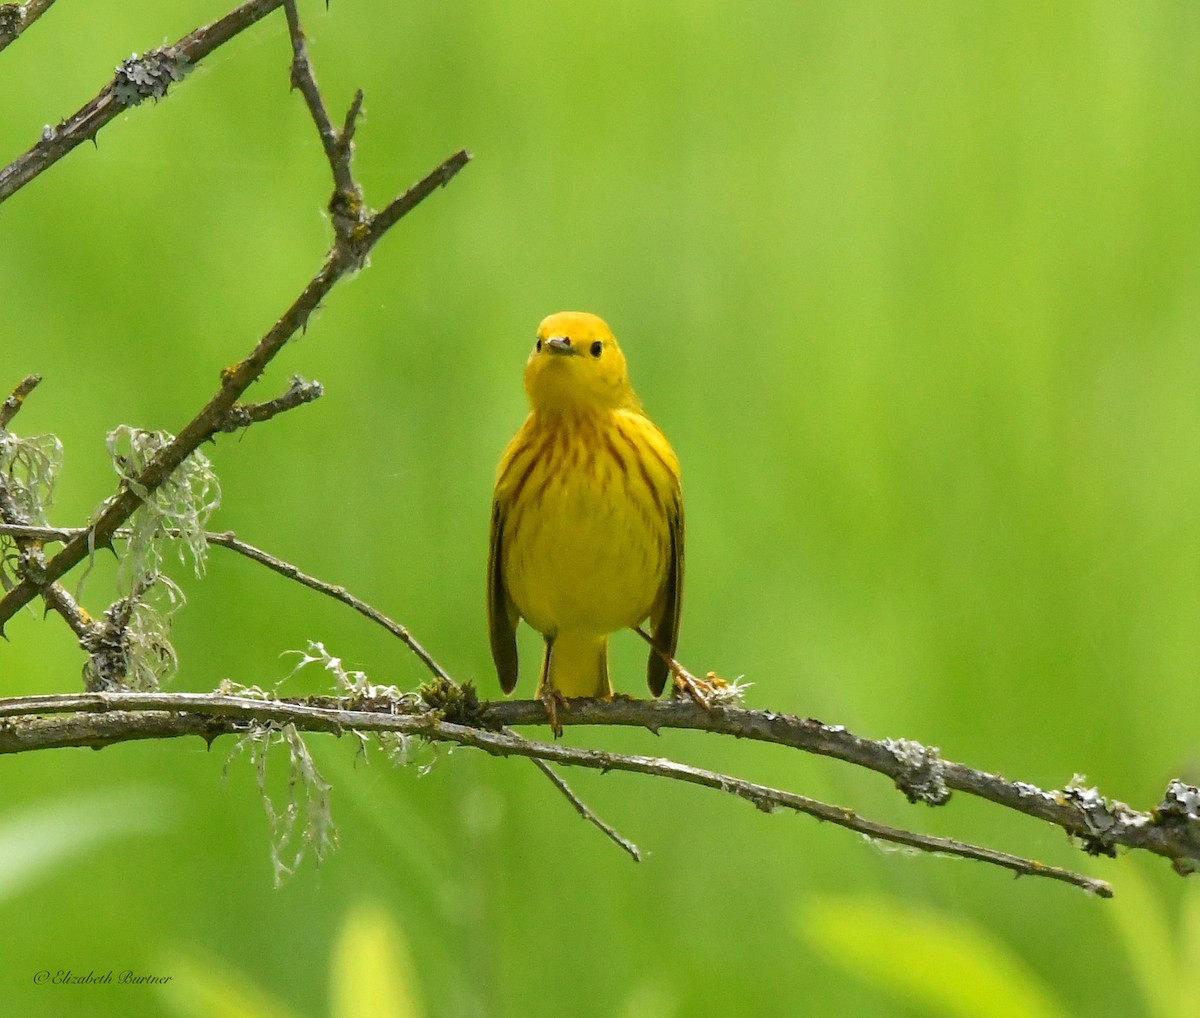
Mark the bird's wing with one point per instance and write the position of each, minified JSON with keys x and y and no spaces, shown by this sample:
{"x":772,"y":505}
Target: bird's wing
{"x":664,"y":618}
{"x":502,"y":615}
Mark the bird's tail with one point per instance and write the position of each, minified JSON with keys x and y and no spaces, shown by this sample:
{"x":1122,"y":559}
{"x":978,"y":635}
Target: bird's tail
{"x":575,"y":664}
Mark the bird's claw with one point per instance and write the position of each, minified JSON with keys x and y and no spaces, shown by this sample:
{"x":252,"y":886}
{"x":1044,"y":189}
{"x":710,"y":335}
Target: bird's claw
{"x":703,"y":691}
{"x":553,"y":699}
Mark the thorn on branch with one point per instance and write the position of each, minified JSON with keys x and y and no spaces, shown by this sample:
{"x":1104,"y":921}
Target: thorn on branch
{"x":351,"y":122}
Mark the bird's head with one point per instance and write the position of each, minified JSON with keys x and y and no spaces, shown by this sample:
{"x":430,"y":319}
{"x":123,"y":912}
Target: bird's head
{"x":577,"y":365}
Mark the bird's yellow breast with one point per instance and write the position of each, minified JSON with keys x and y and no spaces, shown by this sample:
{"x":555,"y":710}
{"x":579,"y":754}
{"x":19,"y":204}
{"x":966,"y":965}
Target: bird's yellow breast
{"x":587,"y":541}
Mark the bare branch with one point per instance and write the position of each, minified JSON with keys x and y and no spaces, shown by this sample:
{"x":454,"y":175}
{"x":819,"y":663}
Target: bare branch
{"x":229,"y":540}
{"x":242,"y":415}
{"x":16,"y":18}
{"x":398,"y":208}
{"x":338,"y":593}
{"x":1099,"y":823}
{"x":29,"y":545}
{"x":1172,"y":830}
{"x":98,"y":720}
{"x":16,"y":399}
{"x":149,"y":76}
{"x":341,"y":259}
{"x":582,"y":807}
{"x":338,"y":148}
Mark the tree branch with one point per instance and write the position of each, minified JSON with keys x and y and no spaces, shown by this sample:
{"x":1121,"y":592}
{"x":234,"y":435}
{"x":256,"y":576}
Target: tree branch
{"x":98,"y":720}
{"x":228,"y":540}
{"x":1171,"y":830}
{"x":341,"y":259}
{"x":136,"y":79}
{"x":451,"y":713}
{"x":16,"y":399}
{"x":29,"y":548}
{"x":347,"y":202}
{"x":16,"y":18}
{"x":242,"y":415}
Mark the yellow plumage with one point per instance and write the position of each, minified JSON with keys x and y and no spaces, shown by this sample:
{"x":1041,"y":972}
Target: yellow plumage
{"x":587,"y":517}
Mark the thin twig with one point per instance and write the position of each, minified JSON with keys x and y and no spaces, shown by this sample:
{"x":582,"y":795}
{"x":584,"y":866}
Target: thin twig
{"x":229,"y":540}
{"x":86,"y":122}
{"x":29,"y":547}
{"x":399,"y":207}
{"x":206,"y":423}
{"x":17,"y":18}
{"x":582,"y":807}
{"x":104,"y":719}
{"x":303,"y":78}
{"x":338,"y":593}
{"x":16,"y":399}
{"x":347,"y":210}
{"x":242,"y":415}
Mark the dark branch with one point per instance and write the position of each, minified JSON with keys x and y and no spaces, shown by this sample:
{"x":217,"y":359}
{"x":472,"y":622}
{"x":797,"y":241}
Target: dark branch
{"x":16,"y":399}
{"x":338,"y":593}
{"x":1100,"y":824}
{"x":16,"y":18}
{"x":1172,"y":830}
{"x":342,"y":258}
{"x":103,"y":719}
{"x":242,"y":415}
{"x":399,"y":207}
{"x":347,"y":203}
{"x":136,"y":79}
{"x":31,"y":559}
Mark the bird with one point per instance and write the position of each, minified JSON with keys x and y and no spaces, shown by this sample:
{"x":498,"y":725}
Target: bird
{"x":587,"y":519}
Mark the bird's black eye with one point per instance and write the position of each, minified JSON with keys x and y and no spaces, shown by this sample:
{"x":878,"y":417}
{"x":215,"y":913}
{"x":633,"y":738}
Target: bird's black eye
{"x":538,"y":347}
{"x":597,"y":347}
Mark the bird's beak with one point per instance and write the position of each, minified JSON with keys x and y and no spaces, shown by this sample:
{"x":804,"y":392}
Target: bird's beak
{"x":560,"y":345}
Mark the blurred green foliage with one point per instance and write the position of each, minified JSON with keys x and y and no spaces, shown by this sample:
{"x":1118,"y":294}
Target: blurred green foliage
{"x":914,"y":289}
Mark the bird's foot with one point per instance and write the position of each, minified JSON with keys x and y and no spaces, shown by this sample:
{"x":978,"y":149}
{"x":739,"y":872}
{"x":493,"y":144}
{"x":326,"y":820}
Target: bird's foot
{"x":703,"y":691}
{"x":553,"y":700}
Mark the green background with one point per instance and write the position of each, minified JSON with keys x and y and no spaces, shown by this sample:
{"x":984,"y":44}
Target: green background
{"x":914,"y":290}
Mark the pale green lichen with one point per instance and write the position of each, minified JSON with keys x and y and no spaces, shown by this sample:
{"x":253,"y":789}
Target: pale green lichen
{"x":397,"y":746}
{"x":304,"y":820}
{"x":131,"y":649}
{"x":177,"y":511}
{"x":30,"y":467}
{"x":28,"y":470}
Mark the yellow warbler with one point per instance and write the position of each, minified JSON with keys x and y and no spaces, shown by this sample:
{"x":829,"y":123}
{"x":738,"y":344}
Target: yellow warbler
{"x":587,"y":517}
